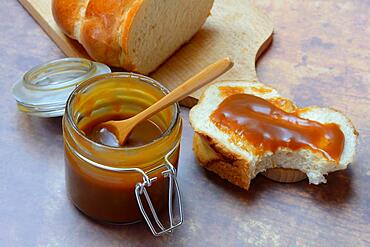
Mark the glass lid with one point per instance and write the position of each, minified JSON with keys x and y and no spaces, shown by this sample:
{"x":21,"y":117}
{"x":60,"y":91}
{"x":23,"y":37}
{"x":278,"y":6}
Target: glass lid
{"x":44,"y":90}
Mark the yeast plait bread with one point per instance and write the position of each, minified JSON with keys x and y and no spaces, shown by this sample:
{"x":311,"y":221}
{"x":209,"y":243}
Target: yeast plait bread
{"x":237,"y":163}
{"x":137,"y":35}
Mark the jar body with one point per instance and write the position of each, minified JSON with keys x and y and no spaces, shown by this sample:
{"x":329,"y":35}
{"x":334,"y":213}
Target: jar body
{"x":99,"y":196}
{"x":96,"y":179}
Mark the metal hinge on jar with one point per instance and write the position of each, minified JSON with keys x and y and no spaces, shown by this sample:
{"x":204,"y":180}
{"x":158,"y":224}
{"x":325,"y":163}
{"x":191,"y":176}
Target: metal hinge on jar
{"x":140,"y":189}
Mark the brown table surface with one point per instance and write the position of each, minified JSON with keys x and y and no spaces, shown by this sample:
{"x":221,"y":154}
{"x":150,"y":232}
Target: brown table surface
{"x":320,"y":55}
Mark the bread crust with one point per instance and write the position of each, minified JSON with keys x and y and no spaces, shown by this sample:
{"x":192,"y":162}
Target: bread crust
{"x":124,"y":34}
{"x":218,"y":160}
{"x":99,"y":30}
{"x":66,"y":13}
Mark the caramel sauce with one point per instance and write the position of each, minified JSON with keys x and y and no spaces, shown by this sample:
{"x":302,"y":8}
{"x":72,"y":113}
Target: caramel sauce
{"x":283,"y":104}
{"x":226,"y":91}
{"x":261,"y":90}
{"x":143,"y":133}
{"x":268,"y":128}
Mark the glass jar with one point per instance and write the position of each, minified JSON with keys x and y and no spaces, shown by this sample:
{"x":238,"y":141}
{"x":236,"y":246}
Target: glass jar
{"x":121,"y":184}
{"x":44,"y":89}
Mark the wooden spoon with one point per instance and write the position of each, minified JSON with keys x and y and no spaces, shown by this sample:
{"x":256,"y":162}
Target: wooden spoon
{"x":122,"y":129}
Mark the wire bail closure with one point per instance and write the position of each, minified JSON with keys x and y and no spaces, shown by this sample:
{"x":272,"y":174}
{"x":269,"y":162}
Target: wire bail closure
{"x":140,"y":189}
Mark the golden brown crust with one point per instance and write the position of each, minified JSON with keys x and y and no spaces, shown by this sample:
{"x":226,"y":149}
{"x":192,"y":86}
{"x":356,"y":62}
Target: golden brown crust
{"x":125,"y":30}
{"x":126,"y":25}
{"x":66,"y":13}
{"x":217,"y":160}
{"x":135,"y":7}
{"x":99,"y":30}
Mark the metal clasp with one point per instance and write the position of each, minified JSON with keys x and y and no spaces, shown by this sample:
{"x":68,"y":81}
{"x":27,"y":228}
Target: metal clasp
{"x":140,"y":189}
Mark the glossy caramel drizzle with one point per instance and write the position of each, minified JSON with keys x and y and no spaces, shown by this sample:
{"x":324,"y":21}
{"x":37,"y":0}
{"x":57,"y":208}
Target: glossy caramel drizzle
{"x":268,"y":128}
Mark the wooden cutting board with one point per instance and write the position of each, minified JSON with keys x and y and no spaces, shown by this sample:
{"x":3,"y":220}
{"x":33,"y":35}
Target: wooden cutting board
{"x":236,"y":29}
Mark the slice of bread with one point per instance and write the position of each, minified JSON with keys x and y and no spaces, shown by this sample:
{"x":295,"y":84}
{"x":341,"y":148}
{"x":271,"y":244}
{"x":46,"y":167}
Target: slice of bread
{"x":237,"y":162}
{"x":137,"y":35}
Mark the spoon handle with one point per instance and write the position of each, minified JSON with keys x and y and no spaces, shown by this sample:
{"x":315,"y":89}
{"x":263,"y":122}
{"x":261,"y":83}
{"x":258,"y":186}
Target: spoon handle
{"x":208,"y":74}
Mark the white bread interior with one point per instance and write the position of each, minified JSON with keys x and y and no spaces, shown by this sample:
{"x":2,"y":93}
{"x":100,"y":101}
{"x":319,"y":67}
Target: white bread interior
{"x":161,"y":27}
{"x":237,"y":162}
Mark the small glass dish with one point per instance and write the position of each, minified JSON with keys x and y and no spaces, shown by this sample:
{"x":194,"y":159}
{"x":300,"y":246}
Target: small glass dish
{"x":44,"y":90}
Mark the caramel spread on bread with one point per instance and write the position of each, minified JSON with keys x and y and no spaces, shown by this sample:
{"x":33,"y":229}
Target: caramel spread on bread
{"x":267,"y":127}
{"x":226,"y":91}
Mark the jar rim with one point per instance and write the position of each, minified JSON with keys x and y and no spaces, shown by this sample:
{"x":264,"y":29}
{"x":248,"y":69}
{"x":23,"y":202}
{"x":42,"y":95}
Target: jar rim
{"x":45,"y":88}
{"x":146,"y":79}
{"x":36,"y":74}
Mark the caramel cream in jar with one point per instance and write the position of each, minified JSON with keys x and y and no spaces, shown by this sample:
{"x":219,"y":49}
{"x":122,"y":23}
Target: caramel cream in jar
{"x":101,"y":176}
